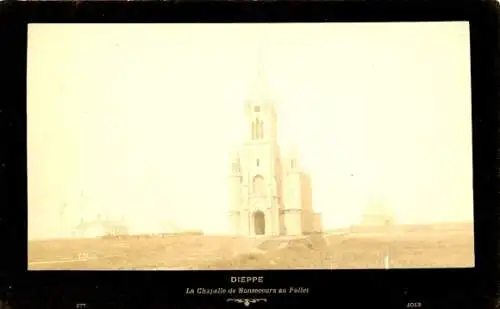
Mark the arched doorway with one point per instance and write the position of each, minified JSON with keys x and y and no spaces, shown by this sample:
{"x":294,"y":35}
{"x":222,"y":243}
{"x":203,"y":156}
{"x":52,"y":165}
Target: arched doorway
{"x":259,"y":223}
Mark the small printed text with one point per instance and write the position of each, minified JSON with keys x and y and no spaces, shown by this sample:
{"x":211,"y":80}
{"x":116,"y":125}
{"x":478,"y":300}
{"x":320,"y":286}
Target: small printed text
{"x":242,"y":290}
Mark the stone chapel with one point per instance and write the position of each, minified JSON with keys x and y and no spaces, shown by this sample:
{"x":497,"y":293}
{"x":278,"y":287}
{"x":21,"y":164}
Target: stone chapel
{"x":270,"y":195}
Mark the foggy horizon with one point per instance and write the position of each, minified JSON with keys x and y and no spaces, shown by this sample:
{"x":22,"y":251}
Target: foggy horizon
{"x":134,"y":121}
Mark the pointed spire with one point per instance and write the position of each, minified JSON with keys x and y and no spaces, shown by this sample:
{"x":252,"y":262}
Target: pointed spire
{"x":259,"y":88}
{"x":295,"y":151}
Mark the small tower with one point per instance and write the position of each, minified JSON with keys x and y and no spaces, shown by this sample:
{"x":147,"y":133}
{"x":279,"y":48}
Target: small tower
{"x":293,"y":208}
{"x":235,"y":186}
{"x":293,"y":180}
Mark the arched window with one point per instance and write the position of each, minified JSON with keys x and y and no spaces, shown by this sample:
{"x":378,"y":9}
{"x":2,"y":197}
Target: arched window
{"x":257,"y":129}
{"x":259,"y":186}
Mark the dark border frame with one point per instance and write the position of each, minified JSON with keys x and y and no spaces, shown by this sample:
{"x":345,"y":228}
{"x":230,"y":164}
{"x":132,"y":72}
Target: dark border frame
{"x":447,"y":288}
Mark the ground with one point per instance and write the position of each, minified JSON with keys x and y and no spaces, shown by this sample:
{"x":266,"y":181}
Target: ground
{"x":405,"y":247}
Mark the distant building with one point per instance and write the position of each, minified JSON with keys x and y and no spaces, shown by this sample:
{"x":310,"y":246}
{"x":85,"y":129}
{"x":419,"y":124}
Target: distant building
{"x":377,"y":214}
{"x":100,"y":228}
{"x":269,"y":194}
{"x":377,"y":220}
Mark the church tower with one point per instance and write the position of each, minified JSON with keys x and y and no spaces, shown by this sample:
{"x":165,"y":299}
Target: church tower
{"x":269,"y":195}
{"x":259,"y":210}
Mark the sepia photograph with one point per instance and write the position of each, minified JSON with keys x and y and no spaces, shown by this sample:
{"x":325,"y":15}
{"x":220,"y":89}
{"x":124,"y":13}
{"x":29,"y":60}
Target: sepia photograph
{"x":249,"y":146}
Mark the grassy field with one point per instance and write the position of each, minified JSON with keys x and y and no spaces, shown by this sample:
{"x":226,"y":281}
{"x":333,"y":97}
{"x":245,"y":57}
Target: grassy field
{"x":410,"y":247}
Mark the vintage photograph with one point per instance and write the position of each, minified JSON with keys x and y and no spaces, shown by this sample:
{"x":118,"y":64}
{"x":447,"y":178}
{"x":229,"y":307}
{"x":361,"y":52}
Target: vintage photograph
{"x":249,"y":146}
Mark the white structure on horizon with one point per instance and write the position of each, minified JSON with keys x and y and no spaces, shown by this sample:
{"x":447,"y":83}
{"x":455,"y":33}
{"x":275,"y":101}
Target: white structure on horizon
{"x":377,"y":214}
{"x":99,"y":227}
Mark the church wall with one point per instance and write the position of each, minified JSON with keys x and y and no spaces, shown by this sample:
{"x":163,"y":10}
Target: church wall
{"x":244,"y":227}
{"x":257,"y":161}
{"x":306,"y":188}
{"x":245,"y":191}
{"x":279,"y":180}
{"x":276,"y":221}
{"x":272,"y":228}
{"x":307,"y":222}
{"x":303,"y":222}
{"x":317,"y":224}
{"x":293,"y":223}
{"x":282,"y":228}
{"x":292,"y":191}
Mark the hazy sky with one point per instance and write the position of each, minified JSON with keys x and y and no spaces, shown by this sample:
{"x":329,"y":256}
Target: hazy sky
{"x":139,"y":120}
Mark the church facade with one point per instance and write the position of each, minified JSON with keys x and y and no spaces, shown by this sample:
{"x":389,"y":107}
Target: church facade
{"x":270,"y":195}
